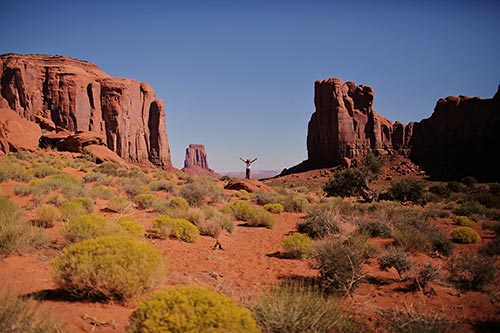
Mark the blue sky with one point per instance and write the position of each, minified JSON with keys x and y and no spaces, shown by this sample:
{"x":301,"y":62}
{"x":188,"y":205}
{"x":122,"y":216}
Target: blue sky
{"x":238,"y":76}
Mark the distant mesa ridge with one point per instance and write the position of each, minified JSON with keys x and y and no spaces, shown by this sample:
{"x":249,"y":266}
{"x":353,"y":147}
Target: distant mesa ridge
{"x":459,"y":139}
{"x":76,"y":95}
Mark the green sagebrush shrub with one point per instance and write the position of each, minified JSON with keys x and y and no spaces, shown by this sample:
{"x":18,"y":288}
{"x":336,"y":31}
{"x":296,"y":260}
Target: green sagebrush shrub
{"x":46,"y":216}
{"x":322,"y":220}
{"x":72,"y":209}
{"x":345,"y":183}
{"x":187,"y":309}
{"x":119,"y":204}
{"x":275,"y":208}
{"x":293,"y":308}
{"x":181,"y":229}
{"x":84,"y":227}
{"x":23,"y":315}
{"x":407,"y":189}
{"x":261,"y":218}
{"x":242,"y":210}
{"x":15,"y":233}
{"x":297,"y":245}
{"x":144,"y":200}
{"x":108,"y":267}
{"x":464,"y":221}
{"x":465,"y":235}
{"x":130,"y":225}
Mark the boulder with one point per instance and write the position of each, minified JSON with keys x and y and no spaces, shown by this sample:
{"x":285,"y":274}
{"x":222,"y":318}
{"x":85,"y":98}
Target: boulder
{"x":77,"y":95}
{"x":76,"y":142}
{"x":102,"y":154}
{"x":247,"y":185}
{"x":16,"y":133}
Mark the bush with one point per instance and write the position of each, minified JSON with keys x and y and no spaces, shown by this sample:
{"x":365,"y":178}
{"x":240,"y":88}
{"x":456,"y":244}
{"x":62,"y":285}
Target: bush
{"x":346,"y":183}
{"x":297,"y":245}
{"x":424,"y":276}
{"x":191,"y":309}
{"x":413,"y":321}
{"x":109,"y":267}
{"x":181,"y":229}
{"x":470,"y":209}
{"x":144,"y":200}
{"x":261,"y":218}
{"x":16,"y":234}
{"x":473,"y":271}
{"x":102,"y":192}
{"x":264,"y":197}
{"x":322,"y":220}
{"x":108,"y":168}
{"x":195,"y":194}
{"x":395,"y":257}
{"x":119,"y":204}
{"x":407,"y":189}
{"x":161,"y":185}
{"x":465,"y":235}
{"x":374,"y":227}
{"x":242,"y":210}
{"x":440,"y":190}
{"x":275,"y":208}
{"x":339,"y":265}
{"x":85,"y":227}
{"x":296,"y":309}
{"x":464,"y":221}
{"x":22,"y":315}
{"x":294,"y":203}
{"x":46,"y":216}
{"x":72,"y":209}
{"x":131,"y":226}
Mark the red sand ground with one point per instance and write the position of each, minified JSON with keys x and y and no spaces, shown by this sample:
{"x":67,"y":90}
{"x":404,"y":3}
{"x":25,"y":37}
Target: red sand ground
{"x":248,"y":264}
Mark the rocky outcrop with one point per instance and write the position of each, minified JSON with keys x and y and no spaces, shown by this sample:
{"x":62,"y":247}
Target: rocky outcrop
{"x":16,"y":133}
{"x":345,"y":124}
{"x":102,"y":154}
{"x":76,"y":95}
{"x":196,"y":161}
{"x":461,"y":138}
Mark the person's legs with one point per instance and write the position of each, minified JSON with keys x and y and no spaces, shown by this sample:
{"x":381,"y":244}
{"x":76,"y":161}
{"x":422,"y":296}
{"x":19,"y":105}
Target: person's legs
{"x":248,"y":174}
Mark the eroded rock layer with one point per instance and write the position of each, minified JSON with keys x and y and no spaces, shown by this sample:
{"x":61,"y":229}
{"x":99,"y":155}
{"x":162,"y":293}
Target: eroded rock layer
{"x":77,"y":96}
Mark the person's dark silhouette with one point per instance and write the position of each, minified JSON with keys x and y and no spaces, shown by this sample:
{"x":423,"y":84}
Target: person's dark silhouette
{"x":248,"y":163}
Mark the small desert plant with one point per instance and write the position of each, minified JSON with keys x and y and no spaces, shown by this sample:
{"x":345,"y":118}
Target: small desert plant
{"x":72,"y":209}
{"x":465,"y":235}
{"x":16,"y":234}
{"x":181,"y":229}
{"x":294,"y":308}
{"x":339,"y":265}
{"x":374,"y":227}
{"x":297,"y":245}
{"x":470,"y":209}
{"x":407,"y":189}
{"x":395,"y":257}
{"x":222,"y":219}
{"x":345,"y":183}
{"x":464,"y":221}
{"x":191,"y":309}
{"x":119,"y":204}
{"x":424,"y":276}
{"x":473,"y":271}
{"x":294,"y":202}
{"x":242,"y":210}
{"x":102,"y":192}
{"x":109,"y":267}
{"x":440,"y":190}
{"x":46,"y":216}
{"x":263,"y":197}
{"x":410,"y":320}
{"x":85,"y":227}
{"x":194,"y":193}
{"x":322,"y":220}
{"x":275,"y":208}
{"x":144,"y":200}
{"x":161,"y":185}
{"x":22,"y":315}
{"x":261,"y":218}
{"x":108,"y":168}
{"x":131,"y":226}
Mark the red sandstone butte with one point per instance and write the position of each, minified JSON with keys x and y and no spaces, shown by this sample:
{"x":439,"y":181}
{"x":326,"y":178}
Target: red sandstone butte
{"x":196,"y":161}
{"x":78,"y":96}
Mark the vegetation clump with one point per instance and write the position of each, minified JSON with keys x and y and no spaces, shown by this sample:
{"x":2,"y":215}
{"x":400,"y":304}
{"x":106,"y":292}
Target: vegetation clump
{"x":275,"y":208}
{"x":114,"y":267}
{"x":322,"y":220}
{"x":396,"y":257}
{"x":407,"y":189}
{"x":46,"y":216}
{"x":181,"y":229}
{"x":297,"y":245}
{"x":465,"y":235}
{"x":144,"y":200}
{"x":191,"y":309}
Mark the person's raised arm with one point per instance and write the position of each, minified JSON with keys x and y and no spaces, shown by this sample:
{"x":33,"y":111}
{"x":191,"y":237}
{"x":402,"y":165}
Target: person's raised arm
{"x":242,"y":159}
{"x":255,"y":159}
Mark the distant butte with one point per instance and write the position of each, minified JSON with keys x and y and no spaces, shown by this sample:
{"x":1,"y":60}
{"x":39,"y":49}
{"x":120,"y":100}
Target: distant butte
{"x":196,"y":161}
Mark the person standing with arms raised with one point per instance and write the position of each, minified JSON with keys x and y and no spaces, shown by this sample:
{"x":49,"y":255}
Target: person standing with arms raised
{"x":248,"y":163}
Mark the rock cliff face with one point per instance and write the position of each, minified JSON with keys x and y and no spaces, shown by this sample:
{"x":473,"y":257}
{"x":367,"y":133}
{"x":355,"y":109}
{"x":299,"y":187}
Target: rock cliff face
{"x":345,"y":124}
{"x":461,"y":138}
{"x":196,"y":161}
{"x":77,"y":96}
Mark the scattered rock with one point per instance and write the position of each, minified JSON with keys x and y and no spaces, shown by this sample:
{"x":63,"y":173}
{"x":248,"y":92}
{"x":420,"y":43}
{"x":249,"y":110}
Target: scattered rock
{"x":16,"y":133}
{"x":248,"y":185}
{"x":102,"y":154}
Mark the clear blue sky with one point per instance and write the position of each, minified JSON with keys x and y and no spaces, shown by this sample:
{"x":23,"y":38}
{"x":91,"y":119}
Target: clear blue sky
{"x":238,"y":76}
